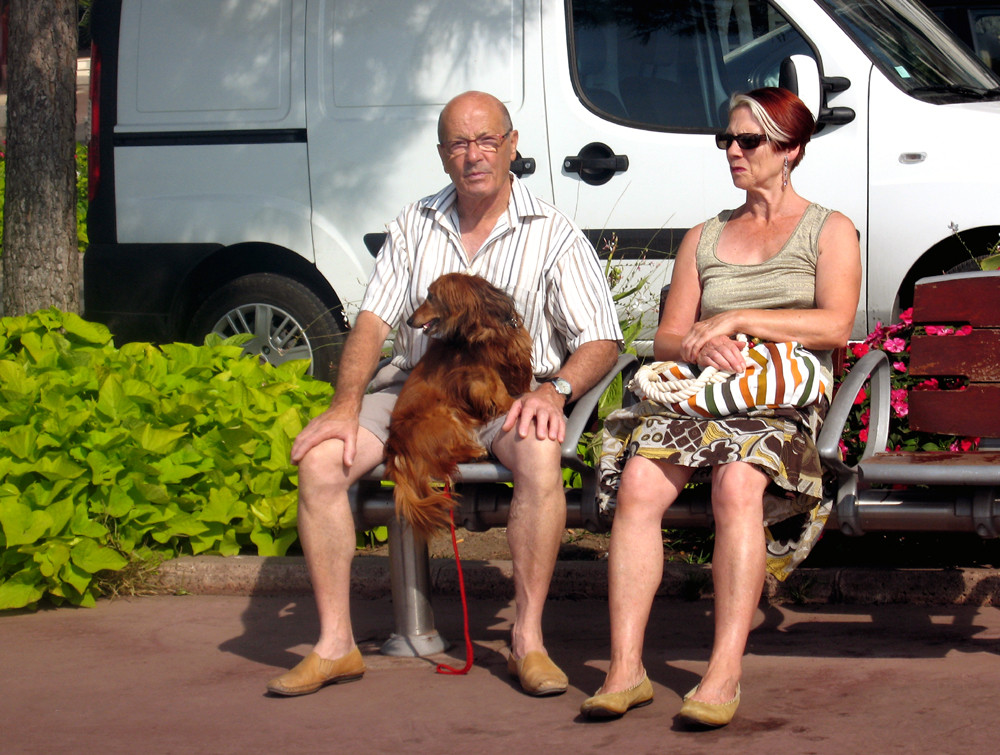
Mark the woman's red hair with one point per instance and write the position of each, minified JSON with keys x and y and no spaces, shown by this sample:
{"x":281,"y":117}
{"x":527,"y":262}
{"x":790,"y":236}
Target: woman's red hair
{"x":789,"y":114}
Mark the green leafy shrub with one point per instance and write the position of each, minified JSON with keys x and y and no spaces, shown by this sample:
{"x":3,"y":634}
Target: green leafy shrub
{"x":115,"y":457}
{"x":82,"y":201}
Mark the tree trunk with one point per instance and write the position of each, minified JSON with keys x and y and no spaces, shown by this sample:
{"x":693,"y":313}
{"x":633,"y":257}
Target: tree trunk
{"x":41,"y":261}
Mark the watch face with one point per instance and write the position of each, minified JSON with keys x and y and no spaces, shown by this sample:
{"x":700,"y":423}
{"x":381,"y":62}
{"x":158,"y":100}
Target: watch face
{"x":562,"y":386}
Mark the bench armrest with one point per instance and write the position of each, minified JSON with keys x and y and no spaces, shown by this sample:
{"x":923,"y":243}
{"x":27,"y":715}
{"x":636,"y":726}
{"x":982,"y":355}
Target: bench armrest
{"x":872,"y":368}
{"x":584,"y":407}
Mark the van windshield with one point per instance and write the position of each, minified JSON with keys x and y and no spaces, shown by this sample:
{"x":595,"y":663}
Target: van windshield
{"x":914,"y":50}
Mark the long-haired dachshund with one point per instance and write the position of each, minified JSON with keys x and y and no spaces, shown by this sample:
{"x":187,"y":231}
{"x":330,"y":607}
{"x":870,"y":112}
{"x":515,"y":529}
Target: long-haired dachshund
{"x":477,"y":363}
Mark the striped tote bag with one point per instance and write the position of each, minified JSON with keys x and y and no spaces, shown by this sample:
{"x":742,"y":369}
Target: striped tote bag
{"x":776,"y":375}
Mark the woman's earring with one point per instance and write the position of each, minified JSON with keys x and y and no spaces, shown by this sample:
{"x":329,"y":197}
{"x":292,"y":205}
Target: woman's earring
{"x":784,"y":182}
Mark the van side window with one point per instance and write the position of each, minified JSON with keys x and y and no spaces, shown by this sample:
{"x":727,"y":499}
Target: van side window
{"x":674,"y":64}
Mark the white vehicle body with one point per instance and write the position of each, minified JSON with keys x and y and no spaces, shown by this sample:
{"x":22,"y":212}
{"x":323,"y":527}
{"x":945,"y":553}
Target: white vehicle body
{"x":245,"y":138}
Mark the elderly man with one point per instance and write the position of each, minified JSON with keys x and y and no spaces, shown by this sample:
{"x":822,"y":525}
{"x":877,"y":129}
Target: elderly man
{"x":485,"y":223}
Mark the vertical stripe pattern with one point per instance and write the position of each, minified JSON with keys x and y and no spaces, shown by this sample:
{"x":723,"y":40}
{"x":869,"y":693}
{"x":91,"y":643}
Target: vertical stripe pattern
{"x":777,"y":375}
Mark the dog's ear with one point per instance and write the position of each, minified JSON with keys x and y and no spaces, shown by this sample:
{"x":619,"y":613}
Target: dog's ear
{"x":500,"y":307}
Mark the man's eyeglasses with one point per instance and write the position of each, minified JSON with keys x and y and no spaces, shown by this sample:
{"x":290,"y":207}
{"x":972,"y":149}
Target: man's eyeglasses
{"x":485,"y":143}
{"x":746,"y":141}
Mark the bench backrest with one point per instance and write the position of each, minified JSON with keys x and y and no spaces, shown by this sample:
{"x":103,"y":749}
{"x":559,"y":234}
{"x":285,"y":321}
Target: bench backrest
{"x":957,"y":300}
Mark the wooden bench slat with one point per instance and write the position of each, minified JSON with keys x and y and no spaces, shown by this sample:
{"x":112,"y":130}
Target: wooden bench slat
{"x":973,"y":412}
{"x":975,"y":356}
{"x":971,"y":299}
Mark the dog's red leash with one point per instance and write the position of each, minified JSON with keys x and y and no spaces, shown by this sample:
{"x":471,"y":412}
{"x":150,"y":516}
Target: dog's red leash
{"x":444,"y":668}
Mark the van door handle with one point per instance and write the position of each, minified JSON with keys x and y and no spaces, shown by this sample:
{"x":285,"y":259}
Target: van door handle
{"x":596,"y":164}
{"x":522,"y":166}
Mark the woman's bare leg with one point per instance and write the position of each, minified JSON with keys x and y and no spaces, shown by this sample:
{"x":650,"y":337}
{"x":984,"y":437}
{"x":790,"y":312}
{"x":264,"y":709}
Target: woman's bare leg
{"x":635,"y":561}
{"x":738,"y":567}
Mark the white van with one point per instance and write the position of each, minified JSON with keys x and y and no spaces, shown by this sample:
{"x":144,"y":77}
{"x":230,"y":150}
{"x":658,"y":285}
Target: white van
{"x":247,"y":154}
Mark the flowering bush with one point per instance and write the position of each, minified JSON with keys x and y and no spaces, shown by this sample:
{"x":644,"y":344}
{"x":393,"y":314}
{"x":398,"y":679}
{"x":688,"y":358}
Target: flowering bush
{"x":895,"y":341}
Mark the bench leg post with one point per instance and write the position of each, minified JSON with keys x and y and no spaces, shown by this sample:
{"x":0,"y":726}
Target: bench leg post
{"x":409,"y":571}
{"x":848,"y":514}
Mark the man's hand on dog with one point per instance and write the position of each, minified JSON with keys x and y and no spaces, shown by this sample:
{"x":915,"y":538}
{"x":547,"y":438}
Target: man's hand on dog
{"x":544,"y":408}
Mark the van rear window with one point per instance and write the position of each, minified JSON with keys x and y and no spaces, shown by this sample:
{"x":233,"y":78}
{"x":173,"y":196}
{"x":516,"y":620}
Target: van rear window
{"x":202,"y":59}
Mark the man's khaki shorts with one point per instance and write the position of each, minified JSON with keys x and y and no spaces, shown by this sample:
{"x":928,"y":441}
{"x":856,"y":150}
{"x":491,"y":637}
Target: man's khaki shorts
{"x":377,"y":405}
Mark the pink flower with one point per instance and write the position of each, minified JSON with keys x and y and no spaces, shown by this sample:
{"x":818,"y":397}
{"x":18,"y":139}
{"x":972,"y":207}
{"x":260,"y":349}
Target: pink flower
{"x":860,"y":349}
{"x":899,"y":366}
{"x":964,"y":444}
{"x":863,"y":435}
{"x":906,"y":316}
{"x":876,"y":336}
{"x":964,"y":330}
{"x":895,"y":345}
{"x":897,"y":399}
{"x":860,"y":398}
{"x":930,"y":384}
{"x":843,"y":448}
{"x":866,"y":417}
{"x":940,"y":330}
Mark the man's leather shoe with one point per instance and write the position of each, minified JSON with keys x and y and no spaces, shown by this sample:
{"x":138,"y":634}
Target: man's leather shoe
{"x":538,"y":675}
{"x":613,"y":704}
{"x":708,"y":714}
{"x":313,"y":672}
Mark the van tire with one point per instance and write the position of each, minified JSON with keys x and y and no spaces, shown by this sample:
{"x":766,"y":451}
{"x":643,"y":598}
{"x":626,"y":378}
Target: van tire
{"x":287,"y":319}
{"x":968,"y":266}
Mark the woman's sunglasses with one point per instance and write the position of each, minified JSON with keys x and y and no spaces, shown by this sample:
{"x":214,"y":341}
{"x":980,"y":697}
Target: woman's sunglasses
{"x":746,"y":141}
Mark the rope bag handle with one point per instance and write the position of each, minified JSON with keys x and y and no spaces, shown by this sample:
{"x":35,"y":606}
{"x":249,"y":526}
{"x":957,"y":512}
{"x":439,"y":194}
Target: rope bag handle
{"x":649,"y":384}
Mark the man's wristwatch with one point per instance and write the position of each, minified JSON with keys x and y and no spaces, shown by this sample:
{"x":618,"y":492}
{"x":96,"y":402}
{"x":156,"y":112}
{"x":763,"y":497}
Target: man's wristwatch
{"x":562,"y":386}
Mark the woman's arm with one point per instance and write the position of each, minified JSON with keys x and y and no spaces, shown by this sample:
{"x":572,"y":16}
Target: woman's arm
{"x":680,"y":317}
{"x":680,"y":311}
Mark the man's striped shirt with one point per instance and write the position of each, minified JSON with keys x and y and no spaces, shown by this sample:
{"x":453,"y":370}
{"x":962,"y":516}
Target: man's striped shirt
{"x":534,"y":253}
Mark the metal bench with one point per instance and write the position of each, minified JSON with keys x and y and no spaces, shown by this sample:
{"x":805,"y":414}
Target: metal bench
{"x":884,"y":491}
{"x":485,"y":494}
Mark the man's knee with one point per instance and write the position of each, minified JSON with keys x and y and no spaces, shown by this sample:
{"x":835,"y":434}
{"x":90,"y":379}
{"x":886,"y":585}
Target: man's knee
{"x":322,"y":475}
{"x":321,"y":461}
{"x":532,"y":461}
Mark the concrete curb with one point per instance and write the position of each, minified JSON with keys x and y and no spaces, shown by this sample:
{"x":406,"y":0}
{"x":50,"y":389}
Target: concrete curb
{"x":254,"y":575}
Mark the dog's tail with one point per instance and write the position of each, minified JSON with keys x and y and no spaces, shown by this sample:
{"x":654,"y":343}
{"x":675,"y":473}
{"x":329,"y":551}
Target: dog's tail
{"x":419,"y":493}
{"x":419,"y":475}
{"x":419,"y":500}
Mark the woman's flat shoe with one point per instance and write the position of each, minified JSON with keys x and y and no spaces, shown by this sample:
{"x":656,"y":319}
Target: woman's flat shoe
{"x":709,"y":714}
{"x":614,"y":704}
{"x":313,"y":672}
{"x":538,"y":675}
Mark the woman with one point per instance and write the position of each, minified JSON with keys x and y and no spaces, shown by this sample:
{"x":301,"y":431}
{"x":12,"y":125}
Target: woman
{"x":778,"y":268}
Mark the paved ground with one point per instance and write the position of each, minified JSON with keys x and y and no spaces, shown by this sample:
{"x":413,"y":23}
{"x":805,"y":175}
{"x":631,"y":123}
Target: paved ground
{"x":173,"y":674}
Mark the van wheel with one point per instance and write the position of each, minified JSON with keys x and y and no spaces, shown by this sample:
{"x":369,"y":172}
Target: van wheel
{"x":286,"y":319}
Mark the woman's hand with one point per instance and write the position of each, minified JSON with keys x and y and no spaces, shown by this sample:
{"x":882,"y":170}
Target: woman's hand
{"x":710,"y":344}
